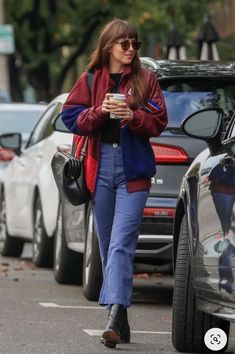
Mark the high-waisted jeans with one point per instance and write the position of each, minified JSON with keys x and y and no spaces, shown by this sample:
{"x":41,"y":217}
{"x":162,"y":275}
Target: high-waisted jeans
{"x":117,"y":216}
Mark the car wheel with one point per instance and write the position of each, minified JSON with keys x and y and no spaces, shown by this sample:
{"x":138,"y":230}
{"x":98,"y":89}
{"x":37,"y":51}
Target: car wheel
{"x":92,"y":269}
{"x":9,"y":246}
{"x":188,"y":324}
{"x":67,"y":263}
{"x":42,"y":245}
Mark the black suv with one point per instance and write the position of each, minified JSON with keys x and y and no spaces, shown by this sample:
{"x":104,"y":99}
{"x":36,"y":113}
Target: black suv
{"x":204,"y":239}
{"x":187,"y":87}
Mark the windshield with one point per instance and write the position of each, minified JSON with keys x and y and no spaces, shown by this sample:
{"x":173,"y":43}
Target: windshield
{"x":20,"y":121}
{"x":187,"y":96}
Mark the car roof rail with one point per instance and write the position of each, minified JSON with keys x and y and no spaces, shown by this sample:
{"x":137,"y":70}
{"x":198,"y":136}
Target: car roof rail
{"x":149,"y":62}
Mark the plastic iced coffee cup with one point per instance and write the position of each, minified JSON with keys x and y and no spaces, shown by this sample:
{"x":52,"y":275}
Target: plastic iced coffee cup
{"x":118,"y":98}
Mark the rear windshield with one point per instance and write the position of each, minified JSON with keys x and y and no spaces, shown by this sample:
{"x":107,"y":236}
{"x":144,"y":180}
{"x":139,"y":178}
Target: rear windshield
{"x":21,"y":121}
{"x":184,"y":97}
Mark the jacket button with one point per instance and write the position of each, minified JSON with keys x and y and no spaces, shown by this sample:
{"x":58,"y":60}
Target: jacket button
{"x":115,"y":145}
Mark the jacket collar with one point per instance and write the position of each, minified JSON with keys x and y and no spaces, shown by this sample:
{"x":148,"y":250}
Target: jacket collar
{"x":102,"y":83}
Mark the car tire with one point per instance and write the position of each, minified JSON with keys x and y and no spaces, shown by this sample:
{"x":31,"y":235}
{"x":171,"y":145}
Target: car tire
{"x":92,"y":269}
{"x":67,"y":263}
{"x":42,"y":245}
{"x":9,"y":246}
{"x":189,"y":325}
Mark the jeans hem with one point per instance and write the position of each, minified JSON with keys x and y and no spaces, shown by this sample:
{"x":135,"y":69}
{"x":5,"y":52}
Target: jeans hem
{"x":114,"y":301}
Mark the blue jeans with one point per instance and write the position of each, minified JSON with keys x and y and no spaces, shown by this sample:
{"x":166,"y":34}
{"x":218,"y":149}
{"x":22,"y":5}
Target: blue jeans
{"x":117,"y":216}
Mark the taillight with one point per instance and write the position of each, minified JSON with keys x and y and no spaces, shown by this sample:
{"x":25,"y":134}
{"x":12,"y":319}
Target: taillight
{"x":162,"y":212}
{"x":64,"y":148}
{"x":168,"y":154}
{"x":6,"y":154}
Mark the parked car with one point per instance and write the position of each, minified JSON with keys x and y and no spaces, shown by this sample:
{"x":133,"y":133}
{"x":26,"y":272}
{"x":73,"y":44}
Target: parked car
{"x":204,"y":238}
{"x":187,"y":86}
{"x":29,"y":198}
{"x":20,"y":117}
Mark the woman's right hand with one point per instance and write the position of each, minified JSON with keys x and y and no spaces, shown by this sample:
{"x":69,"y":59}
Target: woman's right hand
{"x":107,"y":104}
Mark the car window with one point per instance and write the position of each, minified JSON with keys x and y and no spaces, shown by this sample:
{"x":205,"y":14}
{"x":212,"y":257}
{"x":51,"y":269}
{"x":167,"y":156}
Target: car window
{"x":19,"y":120}
{"x":44,"y":127}
{"x":59,"y":125}
{"x":184,"y":97}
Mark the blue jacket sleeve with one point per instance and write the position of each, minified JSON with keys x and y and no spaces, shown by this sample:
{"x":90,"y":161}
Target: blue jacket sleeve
{"x":79,"y":116}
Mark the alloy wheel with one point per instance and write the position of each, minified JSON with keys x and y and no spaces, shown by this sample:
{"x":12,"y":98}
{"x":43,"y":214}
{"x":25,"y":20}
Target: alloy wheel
{"x":37,"y":239}
{"x":88,"y":246}
{"x":3,"y":228}
{"x":58,"y":240}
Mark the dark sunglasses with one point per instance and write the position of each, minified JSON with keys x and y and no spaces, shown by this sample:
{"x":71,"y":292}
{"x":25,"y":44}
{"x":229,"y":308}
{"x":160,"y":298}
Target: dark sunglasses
{"x":125,"y":44}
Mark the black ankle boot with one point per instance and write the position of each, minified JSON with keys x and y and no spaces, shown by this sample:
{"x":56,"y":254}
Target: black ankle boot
{"x":118,"y":329}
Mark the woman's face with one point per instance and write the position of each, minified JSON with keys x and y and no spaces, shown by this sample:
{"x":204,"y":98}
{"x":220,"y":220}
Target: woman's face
{"x":122,"y":53}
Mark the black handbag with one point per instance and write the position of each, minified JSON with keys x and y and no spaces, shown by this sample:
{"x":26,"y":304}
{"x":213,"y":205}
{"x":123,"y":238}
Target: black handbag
{"x":69,"y":176}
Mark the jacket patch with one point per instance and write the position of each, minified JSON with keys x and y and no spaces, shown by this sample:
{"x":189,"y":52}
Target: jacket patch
{"x":151,"y":106}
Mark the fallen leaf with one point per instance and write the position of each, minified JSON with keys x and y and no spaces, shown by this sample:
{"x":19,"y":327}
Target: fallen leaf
{"x":4,"y":270}
{"x":30,"y":265}
{"x":19,"y":269}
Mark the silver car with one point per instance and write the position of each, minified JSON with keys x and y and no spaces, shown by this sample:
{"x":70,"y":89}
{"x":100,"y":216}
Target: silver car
{"x":17,"y":117}
{"x":29,"y":198}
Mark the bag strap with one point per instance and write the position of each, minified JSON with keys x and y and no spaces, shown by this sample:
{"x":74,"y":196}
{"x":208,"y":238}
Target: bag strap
{"x":84,"y":149}
{"x":90,"y":76}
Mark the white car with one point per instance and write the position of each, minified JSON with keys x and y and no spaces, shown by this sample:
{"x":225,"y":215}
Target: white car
{"x":17,"y":117}
{"x":29,"y":199}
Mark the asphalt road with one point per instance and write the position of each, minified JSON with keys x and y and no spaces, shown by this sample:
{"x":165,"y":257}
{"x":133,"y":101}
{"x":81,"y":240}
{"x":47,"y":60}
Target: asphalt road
{"x":38,"y":316}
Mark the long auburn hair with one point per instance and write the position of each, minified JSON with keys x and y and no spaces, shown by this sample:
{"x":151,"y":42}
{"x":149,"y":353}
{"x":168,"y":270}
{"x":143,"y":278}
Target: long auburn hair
{"x":109,"y":34}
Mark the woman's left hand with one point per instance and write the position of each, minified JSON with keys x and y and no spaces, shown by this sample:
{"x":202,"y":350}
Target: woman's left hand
{"x":123,"y":111}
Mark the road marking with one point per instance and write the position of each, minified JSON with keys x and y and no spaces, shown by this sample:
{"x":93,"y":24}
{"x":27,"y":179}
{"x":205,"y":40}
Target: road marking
{"x":92,"y":332}
{"x":54,"y":305}
{"x":98,"y":332}
{"x":48,"y":304}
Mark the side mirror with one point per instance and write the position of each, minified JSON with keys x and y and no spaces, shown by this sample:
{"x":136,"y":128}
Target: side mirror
{"x":206,"y":124}
{"x":11,"y":141}
{"x":59,"y":126}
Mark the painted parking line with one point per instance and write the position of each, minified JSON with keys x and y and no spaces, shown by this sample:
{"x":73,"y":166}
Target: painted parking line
{"x":93,"y":332}
{"x":54,"y":305}
{"x":98,"y":332}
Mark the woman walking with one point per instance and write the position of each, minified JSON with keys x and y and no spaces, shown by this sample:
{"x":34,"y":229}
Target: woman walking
{"x":120,"y":161}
